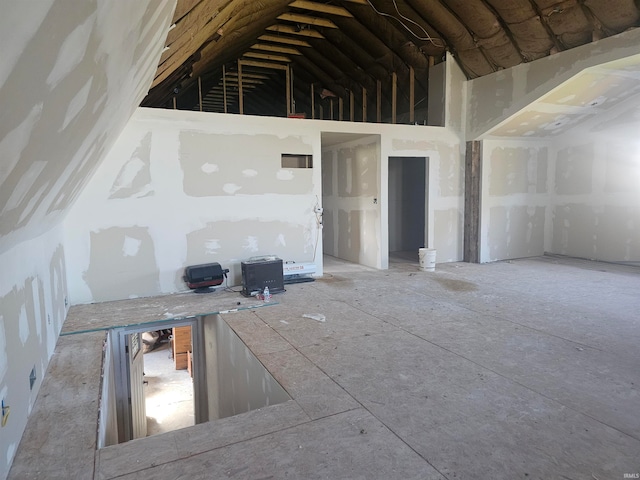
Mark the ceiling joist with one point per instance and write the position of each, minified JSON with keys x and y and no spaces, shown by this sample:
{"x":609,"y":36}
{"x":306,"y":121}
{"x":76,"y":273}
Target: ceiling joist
{"x":321,"y":8}
{"x":284,"y":40}
{"x":268,"y":57}
{"x":306,"y":32}
{"x":302,"y":20}
{"x":276,"y":49}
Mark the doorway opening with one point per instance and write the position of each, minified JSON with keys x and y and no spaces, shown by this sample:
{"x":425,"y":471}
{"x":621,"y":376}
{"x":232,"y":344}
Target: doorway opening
{"x":168,"y":382}
{"x":408,"y":197}
{"x":154,"y":391}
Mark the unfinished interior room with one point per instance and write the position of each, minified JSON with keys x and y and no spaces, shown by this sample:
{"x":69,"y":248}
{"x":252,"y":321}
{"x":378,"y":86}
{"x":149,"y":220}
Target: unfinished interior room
{"x":320,"y":239}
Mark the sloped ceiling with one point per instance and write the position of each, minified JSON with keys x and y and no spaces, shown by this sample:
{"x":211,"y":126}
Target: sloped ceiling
{"x":71,"y":75}
{"x":367,"y":56}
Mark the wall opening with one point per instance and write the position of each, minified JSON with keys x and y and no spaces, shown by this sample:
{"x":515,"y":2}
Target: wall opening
{"x":407,"y":207}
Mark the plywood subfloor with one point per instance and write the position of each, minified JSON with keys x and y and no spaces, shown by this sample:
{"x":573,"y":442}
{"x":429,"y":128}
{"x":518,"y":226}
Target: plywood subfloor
{"x":522,"y":369}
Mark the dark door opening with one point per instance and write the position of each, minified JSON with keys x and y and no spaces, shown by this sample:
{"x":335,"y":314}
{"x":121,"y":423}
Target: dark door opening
{"x":407,"y":207}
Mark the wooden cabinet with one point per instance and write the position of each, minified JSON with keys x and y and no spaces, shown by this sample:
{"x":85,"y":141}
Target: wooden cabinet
{"x":181,"y":346}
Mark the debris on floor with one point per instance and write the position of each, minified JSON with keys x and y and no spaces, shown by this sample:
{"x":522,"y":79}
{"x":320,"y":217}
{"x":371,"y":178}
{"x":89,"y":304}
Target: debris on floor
{"x":315,"y":316}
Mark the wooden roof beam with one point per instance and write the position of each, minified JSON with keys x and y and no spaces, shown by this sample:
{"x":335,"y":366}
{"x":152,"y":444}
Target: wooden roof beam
{"x":276,"y":49}
{"x":294,"y":31}
{"x":307,"y":20}
{"x":268,"y":57}
{"x":283,"y":39}
{"x":320,"y":8}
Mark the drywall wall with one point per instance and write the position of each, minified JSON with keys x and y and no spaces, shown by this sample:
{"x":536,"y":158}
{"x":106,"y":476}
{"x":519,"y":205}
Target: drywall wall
{"x":71,"y":75}
{"x":494,"y":99}
{"x":236,"y":380}
{"x":186,"y":188}
{"x":351,"y":200}
{"x":596,"y":199}
{"x":108,"y":411}
{"x":33,"y":306}
{"x":515,"y":199}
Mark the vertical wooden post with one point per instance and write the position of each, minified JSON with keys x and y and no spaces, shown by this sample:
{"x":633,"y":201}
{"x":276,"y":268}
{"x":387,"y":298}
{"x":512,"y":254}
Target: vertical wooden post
{"x":364,"y":104}
{"x":224,"y":88}
{"x":288,"y":93}
{"x":340,"y":108}
{"x":321,"y":112}
{"x":472,"y":194}
{"x":313,"y":102}
{"x":331,"y":108}
{"x":412,"y":95}
{"x":175,"y":104}
{"x":352,"y":106}
{"x":394,"y":96}
{"x":240,"y":95}
{"x":378,"y":101}
{"x":200,"y":91}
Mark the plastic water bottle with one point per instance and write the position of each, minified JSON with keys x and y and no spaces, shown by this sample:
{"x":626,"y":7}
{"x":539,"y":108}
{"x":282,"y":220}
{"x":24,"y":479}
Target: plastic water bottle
{"x":266,"y":295}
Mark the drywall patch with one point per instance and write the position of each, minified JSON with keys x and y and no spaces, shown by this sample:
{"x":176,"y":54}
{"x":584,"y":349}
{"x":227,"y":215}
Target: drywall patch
{"x":77,"y":103}
{"x":130,"y":262}
{"x":29,"y":16}
{"x":409,"y":145}
{"x":358,"y":171}
{"x":71,"y":52}
{"x":250,"y":244}
{"x":618,"y":234}
{"x":212,"y":246}
{"x":134,"y":178}
{"x":285,"y":175}
{"x":33,"y":201}
{"x":281,"y":241}
{"x":24,"y":184}
{"x":16,"y":140}
{"x":259,"y":153}
{"x":516,"y":231}
{"x":622,"y":169}
{"x":37,"y":307}
{"x":349,"y":235}
{"x":447,"y":240}
{"x":3,"y":349}
{"x":451,"y":170}
{"x":210,"y":168}
{"x":575,"y":230}
{"x":131,"y":246}
{"x":11,"y":451}
{"x":231,"y":188}
{"x":242,"y":240}
{"x":516,"y":170}
{"x":574,"y":170}
{"x":23,"y":325}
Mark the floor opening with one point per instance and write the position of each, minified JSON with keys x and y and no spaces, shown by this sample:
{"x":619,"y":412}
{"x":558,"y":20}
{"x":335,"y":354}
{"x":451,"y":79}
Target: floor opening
{"x":168,"y":391}
{"x":193,"y":371}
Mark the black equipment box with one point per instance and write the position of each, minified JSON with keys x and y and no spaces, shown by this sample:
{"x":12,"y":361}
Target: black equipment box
{"x":260,"y":273}
{"x":205,"y":275}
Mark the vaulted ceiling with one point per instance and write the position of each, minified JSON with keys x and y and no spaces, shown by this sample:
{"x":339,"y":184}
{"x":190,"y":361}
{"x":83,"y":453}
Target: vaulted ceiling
{"x":358,"y":59}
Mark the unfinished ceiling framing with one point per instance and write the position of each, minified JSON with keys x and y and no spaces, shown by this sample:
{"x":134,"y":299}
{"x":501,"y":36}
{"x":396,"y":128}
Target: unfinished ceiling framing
{"x":359,"y":60}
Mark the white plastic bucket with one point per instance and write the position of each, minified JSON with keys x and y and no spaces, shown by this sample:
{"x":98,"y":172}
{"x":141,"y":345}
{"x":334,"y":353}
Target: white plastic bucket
{"x":427,"y":257}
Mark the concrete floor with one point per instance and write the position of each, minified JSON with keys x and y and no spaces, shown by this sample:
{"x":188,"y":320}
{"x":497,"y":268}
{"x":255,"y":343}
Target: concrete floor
{"x":522,"y":369}
{"x":168,"y":392}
